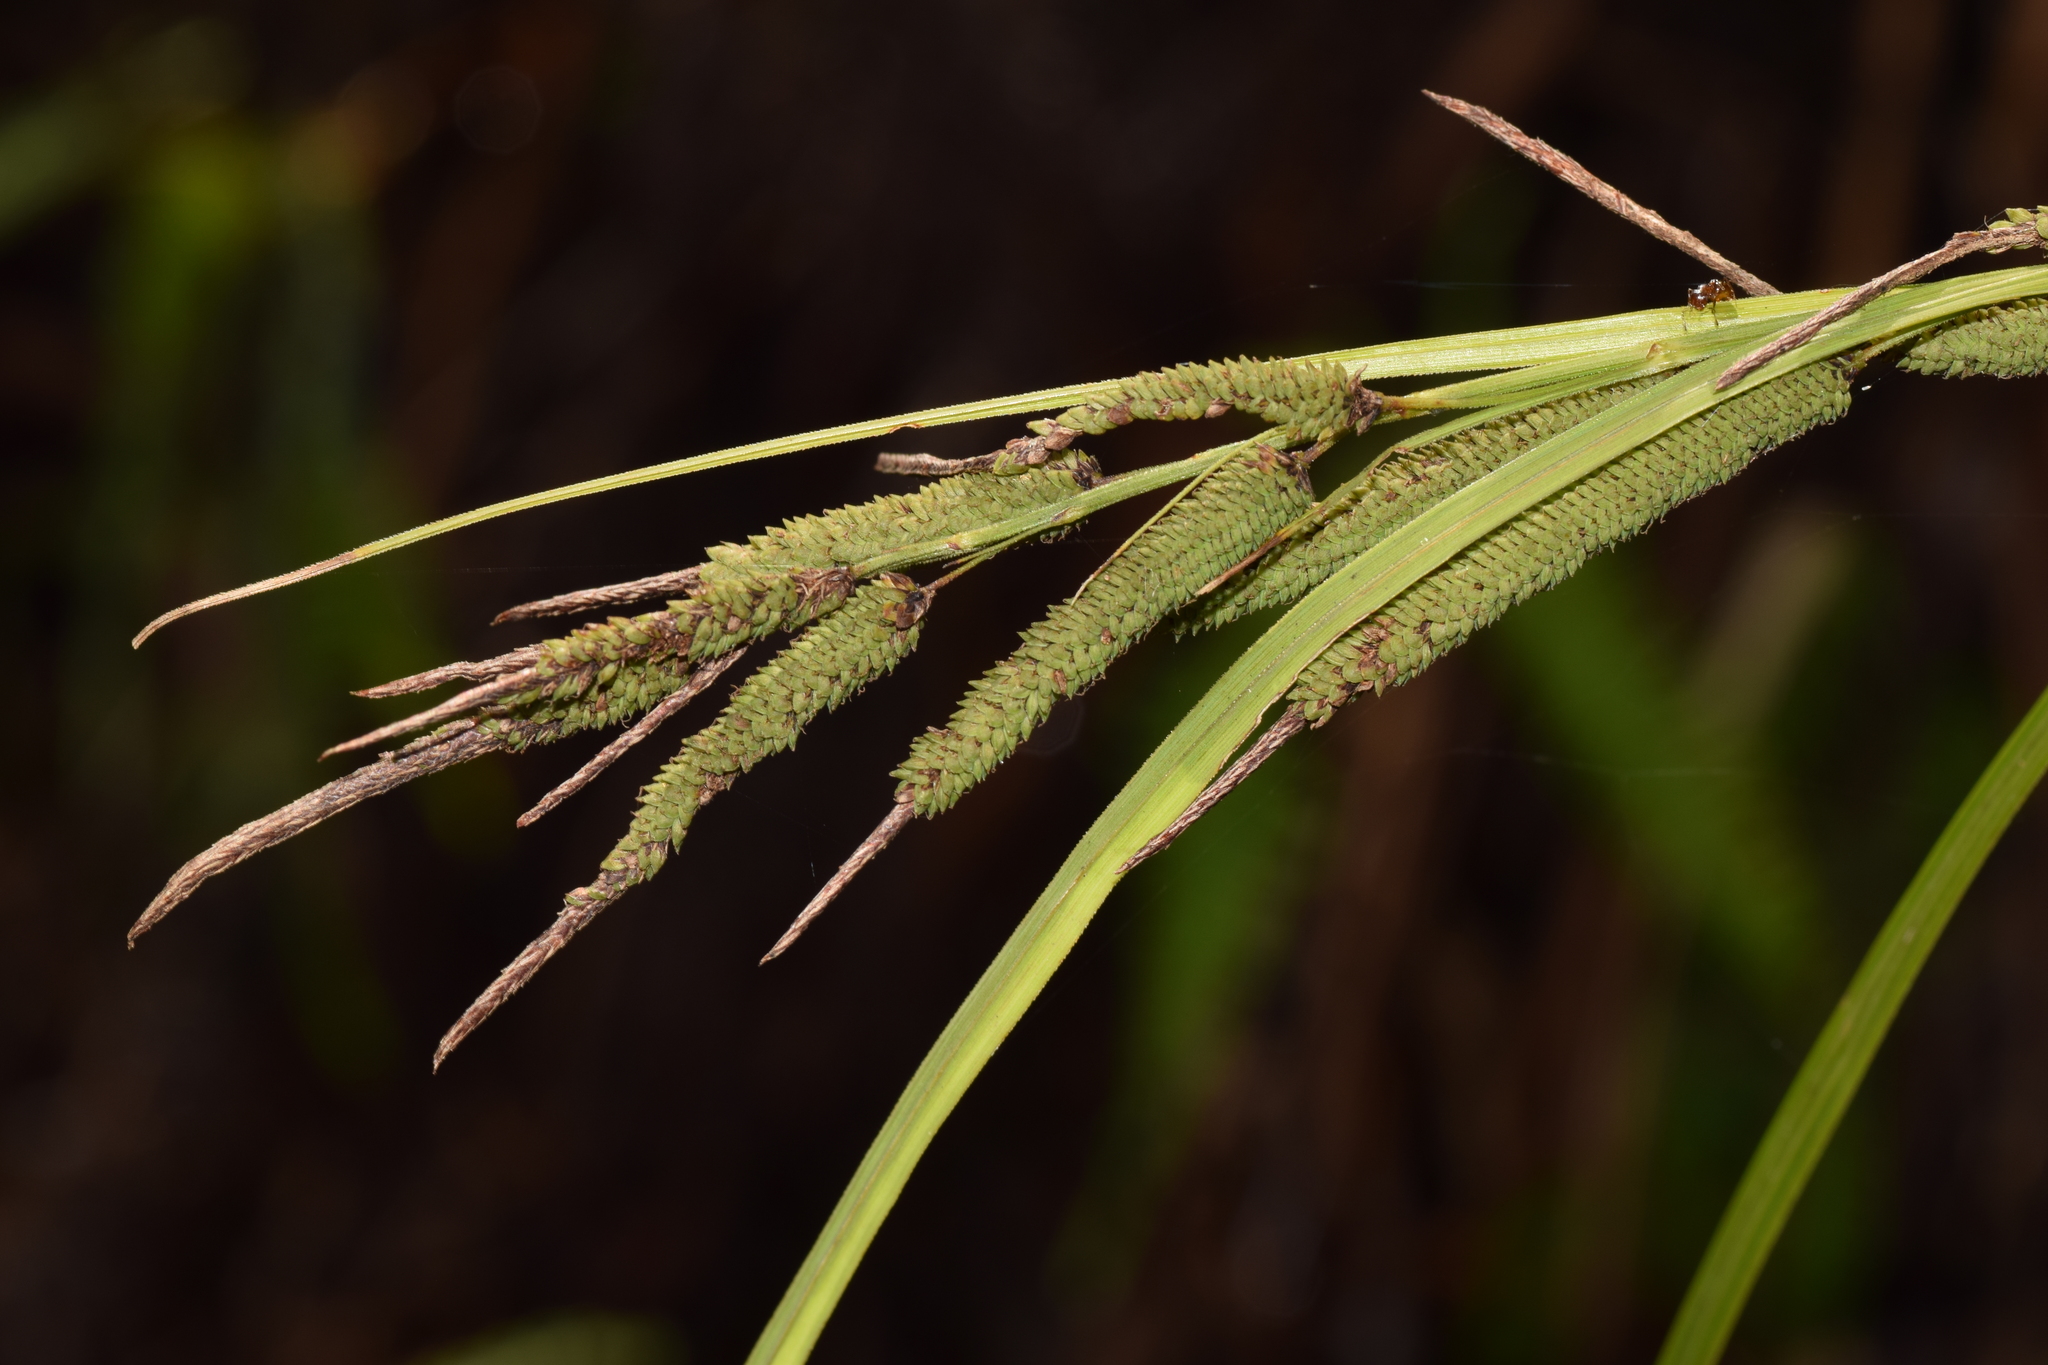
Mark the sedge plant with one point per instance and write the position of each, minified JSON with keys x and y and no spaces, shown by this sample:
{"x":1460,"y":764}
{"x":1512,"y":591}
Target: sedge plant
{"x":1574,"y":437}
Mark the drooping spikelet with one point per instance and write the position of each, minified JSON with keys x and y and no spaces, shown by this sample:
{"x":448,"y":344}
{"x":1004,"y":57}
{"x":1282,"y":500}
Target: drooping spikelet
{"x":1538,"y":549}
{"x":457,"y":741}
{"x":790,"y":576}
{"x":1251,"y":495}
{"x":780,"y":580}
{"x":828,"y":663}
{"x":821,"y":668}
{"x":599,"y":674}
{"x":1547,"y":544}
{"x":1400,"y":489}
{"x":865,"y":530}
{"x":608,"y":672}
{"x":1316,"y":399}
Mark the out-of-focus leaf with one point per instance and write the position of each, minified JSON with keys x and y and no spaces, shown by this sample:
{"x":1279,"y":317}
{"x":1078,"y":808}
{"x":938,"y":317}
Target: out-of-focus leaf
{"x":1835,"y":1066}
{"x":572,"y":1339}
{"x":61,"y":143}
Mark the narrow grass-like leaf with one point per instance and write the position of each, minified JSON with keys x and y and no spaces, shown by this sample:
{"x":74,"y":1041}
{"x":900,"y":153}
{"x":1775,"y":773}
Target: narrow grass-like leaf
{"x":1507,"y":349}
{"x":1515,"y":347}
{"x":1225,"y":717}
{"x":1812,"y":1109}
{"x":1533,"y":384}
{"x":1596,"y":344}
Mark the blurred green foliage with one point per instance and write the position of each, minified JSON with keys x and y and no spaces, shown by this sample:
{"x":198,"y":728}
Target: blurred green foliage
{"x":238,"y":284}
{"x":571,"y":1339}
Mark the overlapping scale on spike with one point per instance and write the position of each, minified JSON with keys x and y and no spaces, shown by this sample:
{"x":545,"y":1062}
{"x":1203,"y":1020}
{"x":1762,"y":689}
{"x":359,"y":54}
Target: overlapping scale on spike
{"x":787,"y":577}
{"x":828,"y":663}
{"x":1248,"y":498}
{"x":1402,"y":488}
{"x":865,"y":530}
{"x":597,"y":675}
{"x":608,"y":672}
{"x":1316,"y":399}
{"x":1548,"y":543}
{"x":2008,"y":341}
{"x":780,"y":580}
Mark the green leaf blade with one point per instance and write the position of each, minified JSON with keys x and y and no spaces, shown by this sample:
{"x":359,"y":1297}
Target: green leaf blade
{"x":1510,"y":349}
{"x":1834,"y":1068}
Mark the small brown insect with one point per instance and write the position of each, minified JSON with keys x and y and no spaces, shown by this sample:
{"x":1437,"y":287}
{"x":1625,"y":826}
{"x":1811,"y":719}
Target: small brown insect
{"x":1704,"y":298}
{"x":916,"y":601}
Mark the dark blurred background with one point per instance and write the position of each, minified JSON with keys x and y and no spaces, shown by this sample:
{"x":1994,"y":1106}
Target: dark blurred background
{"x":1444,"y":1040}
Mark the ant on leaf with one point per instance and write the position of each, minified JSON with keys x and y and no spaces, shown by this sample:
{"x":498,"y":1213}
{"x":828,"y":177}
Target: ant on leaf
{"x":1707,"y":298}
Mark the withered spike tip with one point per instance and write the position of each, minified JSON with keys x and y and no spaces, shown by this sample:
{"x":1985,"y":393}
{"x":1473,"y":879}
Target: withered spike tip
{"x":1568,"y":169}
{"x":929,"y":466}
{"x":884,"y":834}
{"x":653,"y":588}
{"x":648,"y":724}
{"x":479,"y":671}
{"x":483,"y":693}
{"x":1291,"y":723}
{"x":573,"y":917}
{"x":372,"y":779}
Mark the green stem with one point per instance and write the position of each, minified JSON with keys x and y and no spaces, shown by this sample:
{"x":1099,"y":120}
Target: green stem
{"x":1820,"y":1093}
